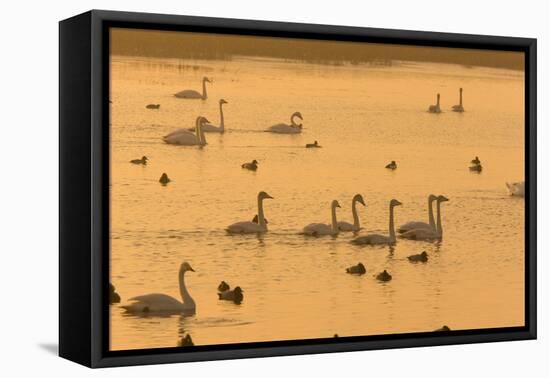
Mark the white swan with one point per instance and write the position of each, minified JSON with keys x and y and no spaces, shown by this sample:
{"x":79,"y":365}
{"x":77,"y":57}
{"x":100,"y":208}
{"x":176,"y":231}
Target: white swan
{"x":319,"y":229}
{"x":252,"y":227}
{"x":425,"y":233}
{"x":192,"y":94}
{"x":516,"y":188}
{"x":211,"y":128}
{"x":345,"y":226}
{"x":414,"y":225}
{"x":435,"y":108}
{"x":162,"y":303}
{"x":377,"y":239}
{"x":283,"y":128}
{"x":187,"y":138}
{"x":459,"y":108}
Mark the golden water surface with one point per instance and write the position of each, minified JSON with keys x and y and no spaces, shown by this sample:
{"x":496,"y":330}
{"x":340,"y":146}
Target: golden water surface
{"x":295,"y":287}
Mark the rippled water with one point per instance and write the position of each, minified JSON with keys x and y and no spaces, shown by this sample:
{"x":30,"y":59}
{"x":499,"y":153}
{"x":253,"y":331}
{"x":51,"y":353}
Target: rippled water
{"x":296,"y":287}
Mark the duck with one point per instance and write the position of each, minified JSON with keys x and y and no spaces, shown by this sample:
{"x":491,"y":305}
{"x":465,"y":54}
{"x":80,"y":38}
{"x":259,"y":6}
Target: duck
{"x":443,"y":329}
{"x":235,"y":295}
{"x":252,"y":166}
{"x":320,"y":229}
{"x":421,"y":257}
{"x":476,"y":168}
{"x":347,"y":227}
{"x":186,"y":341}
{"x":153,"y":106}
{"x":476,"y":161}
{"x":248,"y":227}
{"x":357,"y":269}
{"x":142,"y":161}
{"x":459,"y":108}
{"x":223,"y":286}
{"x":162,"y":304}
{"x":164,"y":179}
{"x":392,"y":165}
{"x":313,"y":145}
{"x":435,"y":108}
{"x":384,"y":276}
{"x":113,"y":295}
{"x":283,"y":128}
{"x":377,"y":239}
{"x":193,"y":94}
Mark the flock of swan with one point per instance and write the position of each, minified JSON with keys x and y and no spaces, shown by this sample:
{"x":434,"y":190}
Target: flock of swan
{"x":413,"y":230}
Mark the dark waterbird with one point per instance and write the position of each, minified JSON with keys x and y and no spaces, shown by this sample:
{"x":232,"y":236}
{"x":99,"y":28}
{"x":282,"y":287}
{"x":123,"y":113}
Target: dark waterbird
{"x":392,"y":165}
{"x":313,"y":145}
{"x":223,"y":286}
{"x":235,"y":295}
{"x":421,"y":257}
{"x":356,"y":269}
{"x":252,"y":166}
{"x":443,"y":329}
{"x":186,"y":341}
{"x":164,"y":179}
{"x":142,"y":161}
{"x":113,"y":295}
{"x":153,"y":106}
{"x":384,"y":276}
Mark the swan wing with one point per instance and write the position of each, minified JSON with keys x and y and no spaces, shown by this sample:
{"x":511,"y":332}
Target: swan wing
{"x":372,"y":239}
{"x":154,"y":303}
{"x":412,"y":226}
{"x":210,"y":128}
{"x":420,"y":234}
{"x":188,"y":93}
{"x":186,"y":139}
{"x":245,"y":228}
{"x":346,"y":226}
{"x":283,"y":128}
{"x":315,"y":229}
{"x":180,"y":132}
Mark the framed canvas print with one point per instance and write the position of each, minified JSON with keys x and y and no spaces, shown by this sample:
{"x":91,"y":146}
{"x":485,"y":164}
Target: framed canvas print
{"x":233,"y":188}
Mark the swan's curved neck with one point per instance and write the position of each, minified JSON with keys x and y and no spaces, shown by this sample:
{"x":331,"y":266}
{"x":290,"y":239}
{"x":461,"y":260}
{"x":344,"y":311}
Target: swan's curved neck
{"x":431,"y":219}
{"x":334,"y":221}
{"x":439,"y":226}
{"x":186,"y":298}
{"x":261,"y":219}
{"x":391,"y":226}
{"x":354,"y":213}
{"x":461,"y":98}
{"x":200,"y":135}
{"x":221,"y":117}
{"x":204,"y":89}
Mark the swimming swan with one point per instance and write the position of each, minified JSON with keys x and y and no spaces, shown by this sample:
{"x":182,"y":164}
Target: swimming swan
{"x":435,"y":108}
{"x":414,"y":225}
{"x":516,"y":188}
{"x":345,"y":226}
{"x":459,"y":108}
{"x":283,"y":128}
{"x":211,"y":128}
{"x":248,"y":227}
{"x":319,"y":229}
{"x":428,"y":234}
{"x":186,"y":138}
{"x":162,"y":303}
{"x":377,"y":239}
{"x":192,"y":94}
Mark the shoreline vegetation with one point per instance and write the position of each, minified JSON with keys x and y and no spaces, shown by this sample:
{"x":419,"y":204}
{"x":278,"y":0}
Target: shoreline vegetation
{"x":186,"y":45}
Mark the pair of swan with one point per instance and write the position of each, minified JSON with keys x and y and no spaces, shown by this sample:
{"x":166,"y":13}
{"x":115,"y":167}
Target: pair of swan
{"x":142,"y":161}
{"x":185,"y":137}
{"x":378,"y":239}
{"x":162,"y":303}
{"x":210,"y":127}
{"x":283,"y":128}
{"x":192,"y":94}
{"x":455,"y":108}
{"x":320,"y":229}
{"x":250,"y":227}
{"x":426,"y":231}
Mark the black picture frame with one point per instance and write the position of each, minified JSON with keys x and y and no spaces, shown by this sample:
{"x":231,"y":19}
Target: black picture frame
{"x":84,"y":191}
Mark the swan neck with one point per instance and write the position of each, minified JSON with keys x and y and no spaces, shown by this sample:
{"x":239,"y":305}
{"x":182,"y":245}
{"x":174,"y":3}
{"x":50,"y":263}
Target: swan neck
{"x":460,"y":98}
{"x":354,"y":213}
{"x":185,"y":296}
{"x":200,"y":135}
{"x":431,"y":219}
{"x":261,"y":219}
{"x":292,"y":122}
{"x":221,"y":117}
{"x":204,"y":89}
{"x":334,"y":220}
{"x":391,"y":226}
{"x":439,"y":226}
